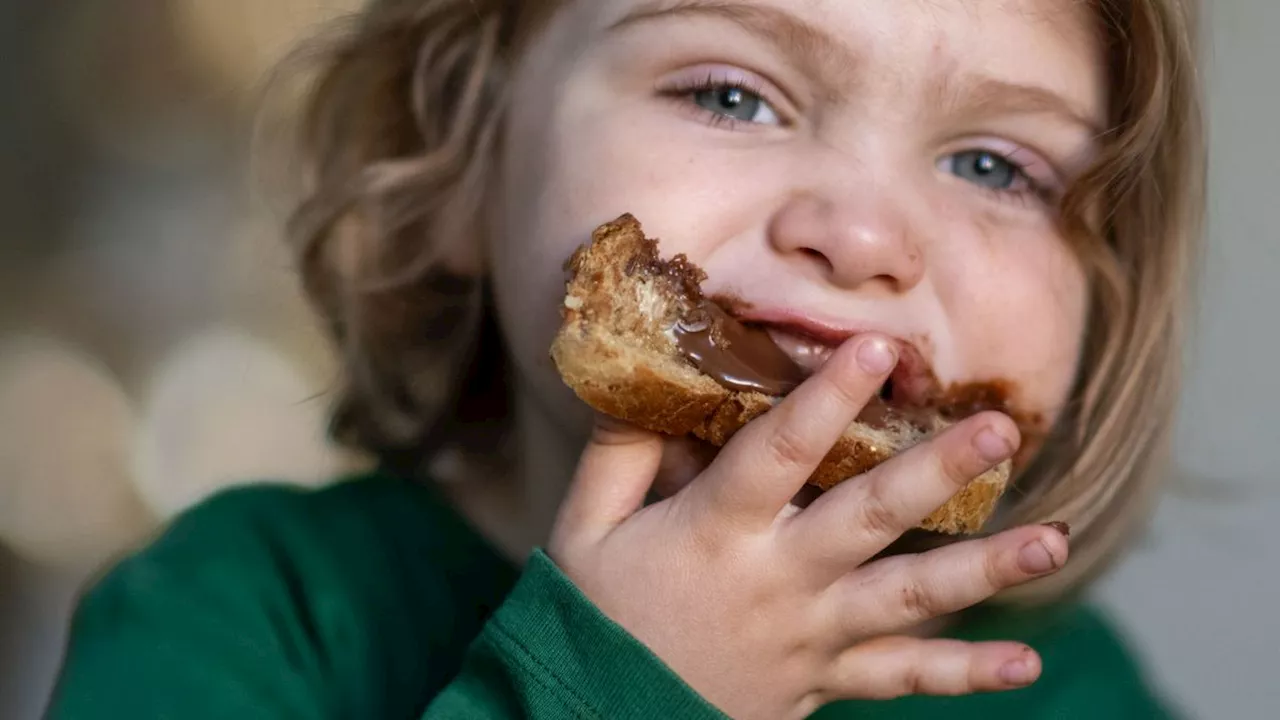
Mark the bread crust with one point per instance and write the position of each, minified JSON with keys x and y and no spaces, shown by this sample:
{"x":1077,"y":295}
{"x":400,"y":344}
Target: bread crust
{"x":617,"y":351}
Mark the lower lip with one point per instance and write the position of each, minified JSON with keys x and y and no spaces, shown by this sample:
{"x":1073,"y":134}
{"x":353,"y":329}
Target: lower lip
{"x":806,"y":353}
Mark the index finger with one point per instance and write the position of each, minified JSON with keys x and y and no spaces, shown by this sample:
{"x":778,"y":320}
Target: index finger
{"x":766,"y":463}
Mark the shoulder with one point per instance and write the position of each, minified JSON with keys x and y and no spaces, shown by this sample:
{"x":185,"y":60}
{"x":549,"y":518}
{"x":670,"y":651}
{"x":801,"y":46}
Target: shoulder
{"x":261,"y":528}
{"x":366,"y":531}
{"x":271,"y":509}
{"x":270,"y":596}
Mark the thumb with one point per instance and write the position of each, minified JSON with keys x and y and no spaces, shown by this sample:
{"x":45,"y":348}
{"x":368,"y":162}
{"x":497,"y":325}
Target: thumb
{"x":614,"y":474}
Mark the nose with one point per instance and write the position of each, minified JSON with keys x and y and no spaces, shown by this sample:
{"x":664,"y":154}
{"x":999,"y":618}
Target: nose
{"x":852,"y":242}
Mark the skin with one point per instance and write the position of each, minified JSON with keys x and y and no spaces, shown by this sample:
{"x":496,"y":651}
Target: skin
{"x":854,"y":195}
{"x":842,"y":215}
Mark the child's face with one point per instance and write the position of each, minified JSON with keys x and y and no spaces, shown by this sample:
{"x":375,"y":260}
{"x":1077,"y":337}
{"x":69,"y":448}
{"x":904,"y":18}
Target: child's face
{"x":886,"y":165}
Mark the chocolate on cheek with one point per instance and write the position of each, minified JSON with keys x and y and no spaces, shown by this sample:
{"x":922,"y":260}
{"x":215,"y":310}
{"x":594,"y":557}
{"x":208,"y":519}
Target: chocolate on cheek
{"x":1034,"y":340}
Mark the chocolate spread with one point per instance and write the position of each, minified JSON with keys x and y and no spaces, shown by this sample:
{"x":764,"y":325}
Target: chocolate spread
{"x":739,"y":357}
{"x":745,"y":358}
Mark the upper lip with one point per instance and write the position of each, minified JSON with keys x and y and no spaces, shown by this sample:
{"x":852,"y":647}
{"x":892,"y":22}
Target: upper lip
{"x":913,"y":380}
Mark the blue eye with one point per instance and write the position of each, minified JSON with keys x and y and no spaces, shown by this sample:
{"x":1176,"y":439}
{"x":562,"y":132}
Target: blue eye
{"x":985,"y":168}
{"x":735,"y":103}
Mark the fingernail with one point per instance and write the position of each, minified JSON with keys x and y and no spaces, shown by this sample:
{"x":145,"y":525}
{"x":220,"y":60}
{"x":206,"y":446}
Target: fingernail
{"x":992,"y":446}
{"x":1018,"y":672}
{"x":877,"y":356}
{"x":1035,"y":559}
{"x":1061,"y":527}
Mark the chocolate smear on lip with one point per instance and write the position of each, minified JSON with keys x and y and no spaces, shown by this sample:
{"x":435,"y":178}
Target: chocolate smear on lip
{"x":743,"y":357}
{"x":738,"y":356}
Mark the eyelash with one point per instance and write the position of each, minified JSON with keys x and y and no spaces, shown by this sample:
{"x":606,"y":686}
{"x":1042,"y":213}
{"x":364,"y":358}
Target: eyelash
{"x":683,"y":92}
{"x":1033,"y":192}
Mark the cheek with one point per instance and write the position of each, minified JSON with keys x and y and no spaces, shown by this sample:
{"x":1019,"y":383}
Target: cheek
{"x":526,"y":252}
{"x":582,"y":162}
{"x":569,"y":164}
{"x":1020,"y":309}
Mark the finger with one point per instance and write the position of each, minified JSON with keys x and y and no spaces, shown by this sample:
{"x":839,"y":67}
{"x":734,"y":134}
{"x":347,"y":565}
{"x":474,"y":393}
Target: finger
{"x":859,"y":518}
{"x":770,"y":459}
{"x":613,"y":476}
{"x":897,"y":593}
{"x":894,"y":667}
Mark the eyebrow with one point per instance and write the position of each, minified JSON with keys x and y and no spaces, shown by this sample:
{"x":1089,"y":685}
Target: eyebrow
{"x":815,"y":52}
{"x":823,"y":58}
{"x":983,"y":94}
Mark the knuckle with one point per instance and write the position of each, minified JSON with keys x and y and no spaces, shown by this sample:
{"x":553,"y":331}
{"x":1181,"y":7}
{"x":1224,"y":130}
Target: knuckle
{"x":997,"y":572}
{"x":877,"y":518}
{"x":786,"y":447}
{"x":978,"y":677}
{"x":916,"y":601}
{"x":708,"y":540}
{"x":915,"y":680}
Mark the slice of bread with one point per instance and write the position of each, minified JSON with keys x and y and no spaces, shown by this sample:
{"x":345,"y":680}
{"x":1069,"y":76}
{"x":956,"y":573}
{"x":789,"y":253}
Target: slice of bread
{"x":617,"y":350}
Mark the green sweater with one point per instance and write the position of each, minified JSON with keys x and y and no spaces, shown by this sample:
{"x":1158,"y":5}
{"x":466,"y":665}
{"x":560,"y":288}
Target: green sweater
{"x":372,"y":599}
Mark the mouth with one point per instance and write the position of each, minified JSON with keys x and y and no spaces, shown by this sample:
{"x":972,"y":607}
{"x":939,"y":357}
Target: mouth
{"x":810,"y":345}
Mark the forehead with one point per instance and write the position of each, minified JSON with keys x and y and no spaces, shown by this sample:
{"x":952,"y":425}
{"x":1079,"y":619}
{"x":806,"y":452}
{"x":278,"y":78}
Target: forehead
{"x":1070,"y":20}
{"x":1046,"y":43}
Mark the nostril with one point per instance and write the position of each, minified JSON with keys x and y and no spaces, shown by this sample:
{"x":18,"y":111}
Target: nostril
{"x":818,"y":257}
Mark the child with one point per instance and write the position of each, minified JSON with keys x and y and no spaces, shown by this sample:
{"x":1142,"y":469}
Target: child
{"x":986,"y":189}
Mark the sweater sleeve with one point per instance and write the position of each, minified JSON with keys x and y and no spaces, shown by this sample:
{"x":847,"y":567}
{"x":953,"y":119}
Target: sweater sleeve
{"x":361,"y":600}
{"x":549,"y":653}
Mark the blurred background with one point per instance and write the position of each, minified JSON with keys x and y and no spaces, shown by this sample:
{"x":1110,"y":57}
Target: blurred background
{"x":154,"y":348}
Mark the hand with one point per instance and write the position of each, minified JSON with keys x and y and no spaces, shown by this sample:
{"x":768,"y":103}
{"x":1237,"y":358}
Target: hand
{"x":771,"y":612}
